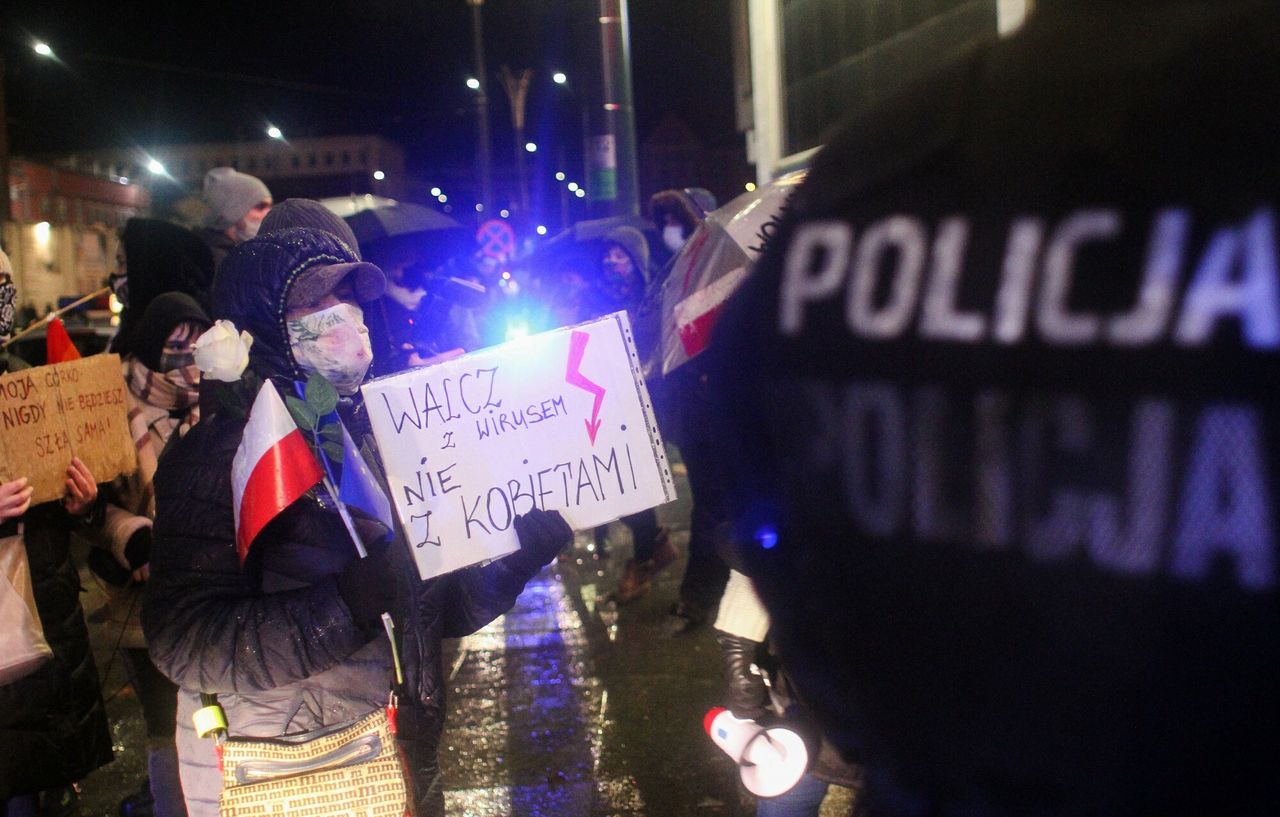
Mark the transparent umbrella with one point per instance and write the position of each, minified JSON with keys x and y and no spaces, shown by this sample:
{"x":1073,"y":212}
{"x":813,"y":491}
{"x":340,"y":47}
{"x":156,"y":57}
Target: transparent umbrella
{"x":713,"y":264}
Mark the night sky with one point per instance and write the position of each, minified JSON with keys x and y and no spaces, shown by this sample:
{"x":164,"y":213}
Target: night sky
{"x":145,"y":73}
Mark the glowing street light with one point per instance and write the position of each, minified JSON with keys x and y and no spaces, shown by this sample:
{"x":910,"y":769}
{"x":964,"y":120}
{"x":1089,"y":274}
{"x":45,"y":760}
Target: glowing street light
{"x":750,"y":186}
{"x":275,"y":133}
{"x":435,"y":191}
{"x":573,"y":187}
{"x":580,"y":193}
{"x":378,"y":175}
{"x":155,"y":167}
{"x":530,"y":147}
{"x":473,"y":83}
{"x":442,"y":198}
{"x":542,"y":229}
{"x":559,"y":78}
{"x":560,"y":176}
{"x":505,"y":213}
{"x":42,"y":49}
{"x":479,"y":207}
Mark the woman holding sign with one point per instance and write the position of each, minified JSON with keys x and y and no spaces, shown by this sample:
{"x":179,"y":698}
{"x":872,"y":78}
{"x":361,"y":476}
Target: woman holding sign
{"x":53,"y":727}
{"x":290,"y":639}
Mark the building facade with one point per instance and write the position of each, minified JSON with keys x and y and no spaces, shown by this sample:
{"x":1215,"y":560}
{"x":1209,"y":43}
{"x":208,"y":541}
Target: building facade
{"x":63,"y":230}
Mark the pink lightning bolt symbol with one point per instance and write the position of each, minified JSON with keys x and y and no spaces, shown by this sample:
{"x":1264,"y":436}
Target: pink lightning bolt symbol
{"x":578,"y":346}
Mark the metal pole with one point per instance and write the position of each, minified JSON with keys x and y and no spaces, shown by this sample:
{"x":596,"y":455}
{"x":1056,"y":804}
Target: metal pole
{"x":613,"y":186}
{"x":483,"y":156}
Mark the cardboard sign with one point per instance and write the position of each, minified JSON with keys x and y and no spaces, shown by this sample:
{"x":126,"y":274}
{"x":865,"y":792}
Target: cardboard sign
{"x":560,"y":420}
{"x":51,"y":413}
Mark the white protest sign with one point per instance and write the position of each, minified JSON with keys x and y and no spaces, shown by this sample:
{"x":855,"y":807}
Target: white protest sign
{"x":560,"y":420}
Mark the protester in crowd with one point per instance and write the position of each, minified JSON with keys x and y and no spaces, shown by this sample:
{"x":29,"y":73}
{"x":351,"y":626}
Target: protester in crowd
{"x":1003,"y":403}
{"x":420,"y":323}
{"x":683,"y":404}
{"x":618,"y":284}
{"x":742,"y":631}
{"x":302,"y":591}
{"x":238,"y":202}
{"x":53,"y":726}
{"x":676,"y":213}
{"x":155,"y":257}
{"x":309,"y":213}
{"x":163,"y":404}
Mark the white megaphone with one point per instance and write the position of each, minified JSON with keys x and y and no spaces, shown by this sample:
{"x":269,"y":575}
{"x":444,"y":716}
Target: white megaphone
{"x":771,"y":760}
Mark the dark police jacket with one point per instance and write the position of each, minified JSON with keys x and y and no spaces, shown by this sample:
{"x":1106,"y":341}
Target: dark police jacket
{"x":1013,"y":421}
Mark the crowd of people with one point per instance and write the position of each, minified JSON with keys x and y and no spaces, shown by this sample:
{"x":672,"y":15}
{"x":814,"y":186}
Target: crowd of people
{"x":175,"y":596}
{"x":982,"y":456}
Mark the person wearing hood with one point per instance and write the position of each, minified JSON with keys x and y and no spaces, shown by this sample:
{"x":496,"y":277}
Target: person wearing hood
{"x":676,"y":214}
{"x":53,"y":724}
{"x":619,"y":284}
{"x":238,"y":203}
{"x":155,"y":257}
{"x":300,"y":294}
{"x":163,"y":404}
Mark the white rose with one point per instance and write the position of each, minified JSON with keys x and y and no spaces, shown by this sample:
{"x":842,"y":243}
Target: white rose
{"x":221,"y":354}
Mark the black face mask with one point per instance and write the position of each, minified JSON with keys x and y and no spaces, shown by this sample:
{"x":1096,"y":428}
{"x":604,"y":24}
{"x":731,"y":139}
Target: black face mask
{"x":8,"y":314}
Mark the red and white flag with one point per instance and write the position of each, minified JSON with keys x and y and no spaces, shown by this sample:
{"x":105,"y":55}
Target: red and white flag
{"x":272,"y":468}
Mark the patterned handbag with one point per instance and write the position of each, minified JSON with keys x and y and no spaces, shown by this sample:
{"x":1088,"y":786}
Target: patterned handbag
{"x":352,"y":769}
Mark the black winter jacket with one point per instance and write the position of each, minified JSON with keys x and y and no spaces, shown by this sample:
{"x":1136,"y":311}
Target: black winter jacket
{"x":53,"y":726}
{"x":274,"y":638}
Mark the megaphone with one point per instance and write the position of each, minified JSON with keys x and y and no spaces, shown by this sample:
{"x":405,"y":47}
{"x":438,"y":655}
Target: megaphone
{"x":771,"y":760}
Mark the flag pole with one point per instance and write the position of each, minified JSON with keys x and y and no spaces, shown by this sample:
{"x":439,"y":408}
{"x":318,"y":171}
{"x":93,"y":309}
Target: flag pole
{"x":57,"y":313}
{"x":387,"y":623}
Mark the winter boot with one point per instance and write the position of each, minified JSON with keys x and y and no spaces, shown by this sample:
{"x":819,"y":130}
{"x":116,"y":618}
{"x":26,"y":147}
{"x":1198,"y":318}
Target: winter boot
{"x":636,"y":581}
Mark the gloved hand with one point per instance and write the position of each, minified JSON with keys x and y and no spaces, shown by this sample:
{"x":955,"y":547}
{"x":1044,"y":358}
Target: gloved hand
{"x":745,"y":693}
{"x":542,"y":534}
{"x":379,"y":583}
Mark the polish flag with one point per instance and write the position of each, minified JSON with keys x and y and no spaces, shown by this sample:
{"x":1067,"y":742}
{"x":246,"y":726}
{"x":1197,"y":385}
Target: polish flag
{"x":272,"y":468}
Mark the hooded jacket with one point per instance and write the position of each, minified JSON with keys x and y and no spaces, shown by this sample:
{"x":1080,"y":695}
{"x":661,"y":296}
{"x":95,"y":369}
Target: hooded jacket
{"x":274,"y":638}
{"x":159,"y":257}
{"x":53,"y":725}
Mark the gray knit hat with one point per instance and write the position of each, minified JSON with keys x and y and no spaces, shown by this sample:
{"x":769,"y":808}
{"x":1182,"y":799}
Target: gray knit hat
{"x":231,"y":194}
{"x":309,"y":213}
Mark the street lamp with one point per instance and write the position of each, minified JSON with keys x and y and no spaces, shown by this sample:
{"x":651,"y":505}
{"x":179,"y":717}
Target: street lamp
{"x":435,"y":191}
{"x":42,"y":49}
{"x":531,"y":147}
{"x":473,"y":83}
{"x":275,"y":133}
{"x":155,"y":167}
{"x":559,"y":78}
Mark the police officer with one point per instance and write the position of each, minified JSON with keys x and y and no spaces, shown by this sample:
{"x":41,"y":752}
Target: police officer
{"x":1009,"y":459}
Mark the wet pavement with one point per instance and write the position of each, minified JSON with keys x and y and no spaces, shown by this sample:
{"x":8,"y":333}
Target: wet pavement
{"x":564,"y":706}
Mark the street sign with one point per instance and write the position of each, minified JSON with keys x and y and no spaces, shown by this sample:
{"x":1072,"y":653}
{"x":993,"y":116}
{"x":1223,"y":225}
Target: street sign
{"x":496,"y":240}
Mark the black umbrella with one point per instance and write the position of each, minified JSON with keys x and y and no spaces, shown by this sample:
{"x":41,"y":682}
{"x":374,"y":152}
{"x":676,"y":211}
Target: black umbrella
{"x":401,"y":229}
{"x":402,"y":218}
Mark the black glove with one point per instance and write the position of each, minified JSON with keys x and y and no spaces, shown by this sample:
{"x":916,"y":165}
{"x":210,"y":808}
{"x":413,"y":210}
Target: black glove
{"x":542,"y":534}
{"x":105,"y":567}
{"x":137,"y":551}
{"x":745,"y":692}
{"x":379,"y":583}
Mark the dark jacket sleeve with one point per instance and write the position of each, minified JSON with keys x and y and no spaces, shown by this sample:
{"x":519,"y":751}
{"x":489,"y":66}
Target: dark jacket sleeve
{"x":209,"y":626}
{"x":481,"y":593}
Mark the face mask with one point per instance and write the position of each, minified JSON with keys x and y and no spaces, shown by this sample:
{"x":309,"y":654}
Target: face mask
{"x":177,"y":351}
{"x":247,"y":230}
{"x":8,"y":316}
{"x":408,"y":298}
{"x":120,"y":288}
{"x":673,"y":237}
{"x":335,"y":343}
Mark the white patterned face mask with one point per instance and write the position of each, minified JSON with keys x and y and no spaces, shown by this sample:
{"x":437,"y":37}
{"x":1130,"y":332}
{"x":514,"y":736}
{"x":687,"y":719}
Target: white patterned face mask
{"x":335,"y":343}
